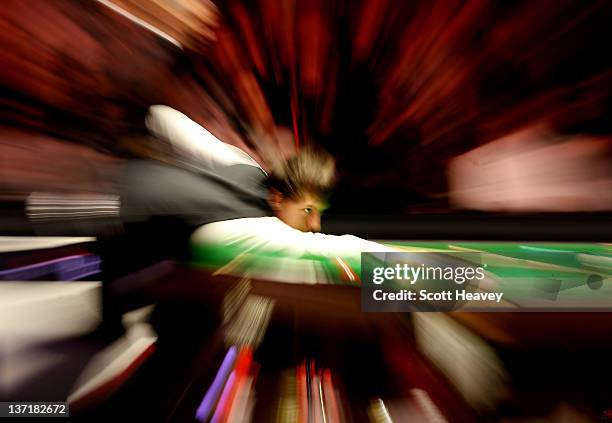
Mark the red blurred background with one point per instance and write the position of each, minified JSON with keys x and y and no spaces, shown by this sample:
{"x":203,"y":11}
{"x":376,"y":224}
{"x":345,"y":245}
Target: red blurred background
{"x":396,"y":90}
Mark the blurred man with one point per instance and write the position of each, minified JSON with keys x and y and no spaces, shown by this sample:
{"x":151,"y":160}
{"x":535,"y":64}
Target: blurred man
{"x":212,"y":197}
{"x":229,"y":199}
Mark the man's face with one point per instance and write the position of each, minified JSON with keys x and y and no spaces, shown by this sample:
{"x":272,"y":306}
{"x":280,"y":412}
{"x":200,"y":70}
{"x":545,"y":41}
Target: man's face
{"x":303,"y":214}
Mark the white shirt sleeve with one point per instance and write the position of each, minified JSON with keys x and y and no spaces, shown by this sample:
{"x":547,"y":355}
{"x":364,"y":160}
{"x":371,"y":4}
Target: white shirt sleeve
{"x":192,"y":141}
{"x":270,"y":235}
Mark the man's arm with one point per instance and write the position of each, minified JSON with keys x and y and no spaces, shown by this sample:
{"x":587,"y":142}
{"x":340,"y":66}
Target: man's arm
{"x":191,"y":141}
{"x":270,"y":236}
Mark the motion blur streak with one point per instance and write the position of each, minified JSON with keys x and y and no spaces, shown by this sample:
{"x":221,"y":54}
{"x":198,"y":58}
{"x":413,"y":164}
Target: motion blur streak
{"x":394,"y":89}
{"x":448,"y":107}
{"x":534,"y":170}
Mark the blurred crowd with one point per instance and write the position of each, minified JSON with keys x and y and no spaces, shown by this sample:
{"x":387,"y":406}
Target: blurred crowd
{"x":403,"y":93}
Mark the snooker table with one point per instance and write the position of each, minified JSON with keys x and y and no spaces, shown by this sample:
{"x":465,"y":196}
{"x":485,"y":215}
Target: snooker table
{"x":317,"y":318}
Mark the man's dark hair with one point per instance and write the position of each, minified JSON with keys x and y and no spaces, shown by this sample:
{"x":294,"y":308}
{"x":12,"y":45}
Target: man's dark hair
{"x":311,"y":171}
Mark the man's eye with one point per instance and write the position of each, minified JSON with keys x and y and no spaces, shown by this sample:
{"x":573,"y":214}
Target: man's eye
{"x":308,"y":210}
